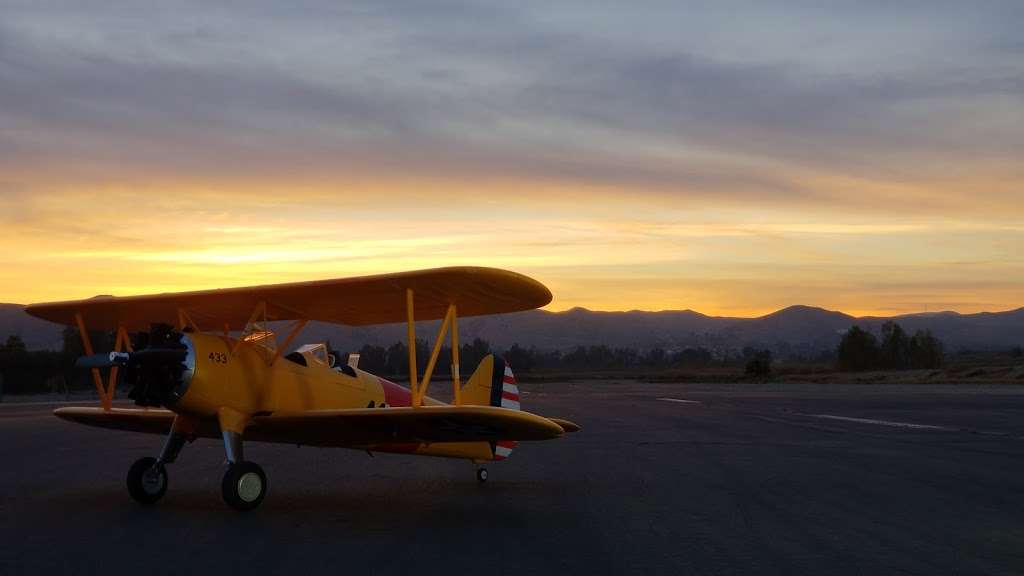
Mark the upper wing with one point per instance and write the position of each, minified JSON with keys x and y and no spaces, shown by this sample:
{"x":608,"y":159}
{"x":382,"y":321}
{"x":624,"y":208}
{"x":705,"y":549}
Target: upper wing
{"x":355,"y":301}
{"x":360,"y":427}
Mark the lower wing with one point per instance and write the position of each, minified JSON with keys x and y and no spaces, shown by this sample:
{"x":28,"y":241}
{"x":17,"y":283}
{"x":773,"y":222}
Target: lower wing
{"x":348,"y":428}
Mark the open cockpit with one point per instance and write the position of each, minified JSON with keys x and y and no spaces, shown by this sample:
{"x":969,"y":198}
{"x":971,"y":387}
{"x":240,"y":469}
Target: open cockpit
{"x":318,"y":355}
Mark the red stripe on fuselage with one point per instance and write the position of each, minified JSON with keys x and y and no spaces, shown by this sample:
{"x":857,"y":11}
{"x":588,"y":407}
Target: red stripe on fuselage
{"x":510,"y":396}
{"x":394,"y":394}
{"x":509,"y":380}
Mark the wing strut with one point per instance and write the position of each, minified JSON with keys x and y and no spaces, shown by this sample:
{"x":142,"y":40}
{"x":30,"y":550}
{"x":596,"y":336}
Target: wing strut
{"x":184,"y":321}
{"x":261,"y":309}
{"x":456,"y":384}
{"x":411,"y":325}
{"x":419,"y":389}
{"x":121,"y":342}
{"x":297,"y":327}
{"x":258,"y":333}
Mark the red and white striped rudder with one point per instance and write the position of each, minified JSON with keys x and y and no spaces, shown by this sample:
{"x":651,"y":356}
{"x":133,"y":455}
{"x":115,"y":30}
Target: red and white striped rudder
{"x":509,"y":399}
{"x":494,"y":384}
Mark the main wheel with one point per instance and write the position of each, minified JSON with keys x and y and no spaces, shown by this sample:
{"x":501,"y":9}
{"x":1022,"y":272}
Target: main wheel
{"x":244,"y":485}
{"x":147,"y":481}
{"x":481,"y":475}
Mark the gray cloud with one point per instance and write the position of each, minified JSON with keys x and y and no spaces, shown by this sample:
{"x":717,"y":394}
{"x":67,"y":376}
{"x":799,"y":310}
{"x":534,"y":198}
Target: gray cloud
{"x":542,"y":92}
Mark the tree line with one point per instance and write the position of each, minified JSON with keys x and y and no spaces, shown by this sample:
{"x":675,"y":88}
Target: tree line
{"x":394,"y":359}
{"x":25,"y":371}
{"x":860,"y":350}
{"x":39,"y":371}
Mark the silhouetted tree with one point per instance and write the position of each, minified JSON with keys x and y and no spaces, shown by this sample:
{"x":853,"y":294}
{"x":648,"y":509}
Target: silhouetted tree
{"x":546,"y":358}
{"x":600,"y":357}
{"x":397,"y":362}
{"x":520,"y":359}
{"x":656,"y":357}
{"x":373,"y":359}
{"x":624,"y":358}
{"x":692,"y":358}
{"x":577,"y":358}
{"x":858,"y":351}
{"x":423,"y":355}
{"x":926,"y":351}
{"x":397,"y":359}
{"x":471,"y":354}
{"x":14,"y":342}
{"x":759,"y":364}
{"x":444,"y":362}
{"x":895,"y":349}
{"x":71,"y":343}
{"x":27,"y":372}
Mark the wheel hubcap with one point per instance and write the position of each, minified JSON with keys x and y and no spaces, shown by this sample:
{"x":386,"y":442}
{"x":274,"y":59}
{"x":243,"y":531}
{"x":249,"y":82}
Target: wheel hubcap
{"x":152,"y":481}
{"x":250,"y":486}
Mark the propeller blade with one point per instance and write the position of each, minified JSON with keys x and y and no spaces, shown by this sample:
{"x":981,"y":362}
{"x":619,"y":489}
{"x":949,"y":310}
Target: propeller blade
{"x":102,"y":360}
{"x":156,"y":355}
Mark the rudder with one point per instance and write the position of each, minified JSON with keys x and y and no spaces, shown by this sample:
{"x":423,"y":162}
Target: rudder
{"x":493,"y":384}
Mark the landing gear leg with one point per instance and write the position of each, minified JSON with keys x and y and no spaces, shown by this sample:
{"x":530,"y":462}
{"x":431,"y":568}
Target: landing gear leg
{"x":244,"y":484}
{"x":147,"y":477}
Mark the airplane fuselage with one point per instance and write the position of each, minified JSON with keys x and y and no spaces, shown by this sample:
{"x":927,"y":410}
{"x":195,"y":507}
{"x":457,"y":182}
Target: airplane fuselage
{"x":222,"y":375}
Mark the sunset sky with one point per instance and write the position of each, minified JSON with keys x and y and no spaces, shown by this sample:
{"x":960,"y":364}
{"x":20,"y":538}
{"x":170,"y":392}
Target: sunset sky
{"x":728,"y":157}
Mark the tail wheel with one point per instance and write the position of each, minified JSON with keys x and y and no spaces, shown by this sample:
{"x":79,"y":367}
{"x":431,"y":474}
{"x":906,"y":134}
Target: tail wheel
{"x":481,"y":475}
{"x":147,"y":481}
{"x":244,"y":485}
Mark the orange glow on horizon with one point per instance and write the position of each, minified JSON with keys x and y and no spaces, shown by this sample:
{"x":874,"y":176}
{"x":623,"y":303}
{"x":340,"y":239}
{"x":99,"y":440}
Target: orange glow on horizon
{"x":593,"y":248}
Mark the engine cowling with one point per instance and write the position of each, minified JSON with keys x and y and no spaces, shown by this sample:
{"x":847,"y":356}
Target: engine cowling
{"x":161,"y":369}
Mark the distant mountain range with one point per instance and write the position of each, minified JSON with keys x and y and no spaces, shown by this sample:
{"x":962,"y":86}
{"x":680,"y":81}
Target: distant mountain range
{"x":797,"y":330}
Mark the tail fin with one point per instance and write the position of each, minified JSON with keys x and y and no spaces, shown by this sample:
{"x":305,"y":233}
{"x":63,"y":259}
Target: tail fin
{"x":493,"y":384}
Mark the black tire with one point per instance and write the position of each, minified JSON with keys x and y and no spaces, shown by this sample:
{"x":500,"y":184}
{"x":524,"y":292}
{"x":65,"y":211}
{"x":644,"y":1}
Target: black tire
{"x":481,"y":475}
{"x":244,"y":485}
{"x":147,"y":483}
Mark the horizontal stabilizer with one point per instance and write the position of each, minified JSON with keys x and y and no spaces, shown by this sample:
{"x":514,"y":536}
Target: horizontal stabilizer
{"x":566,"y":425}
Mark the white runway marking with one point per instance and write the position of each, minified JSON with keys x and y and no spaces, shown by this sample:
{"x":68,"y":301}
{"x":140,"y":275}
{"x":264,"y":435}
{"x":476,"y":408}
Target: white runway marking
{"x":679,"y":400}
{"x":879,"y":422}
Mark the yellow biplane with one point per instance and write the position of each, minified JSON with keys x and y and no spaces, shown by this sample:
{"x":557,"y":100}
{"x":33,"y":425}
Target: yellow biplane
{"x":207,"y":364}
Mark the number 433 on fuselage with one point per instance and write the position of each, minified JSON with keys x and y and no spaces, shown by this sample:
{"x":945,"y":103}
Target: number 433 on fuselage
{"x":207,"y":364}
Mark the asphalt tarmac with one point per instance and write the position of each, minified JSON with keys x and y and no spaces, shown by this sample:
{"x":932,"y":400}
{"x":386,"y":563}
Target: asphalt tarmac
{"x":663,"y":479}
